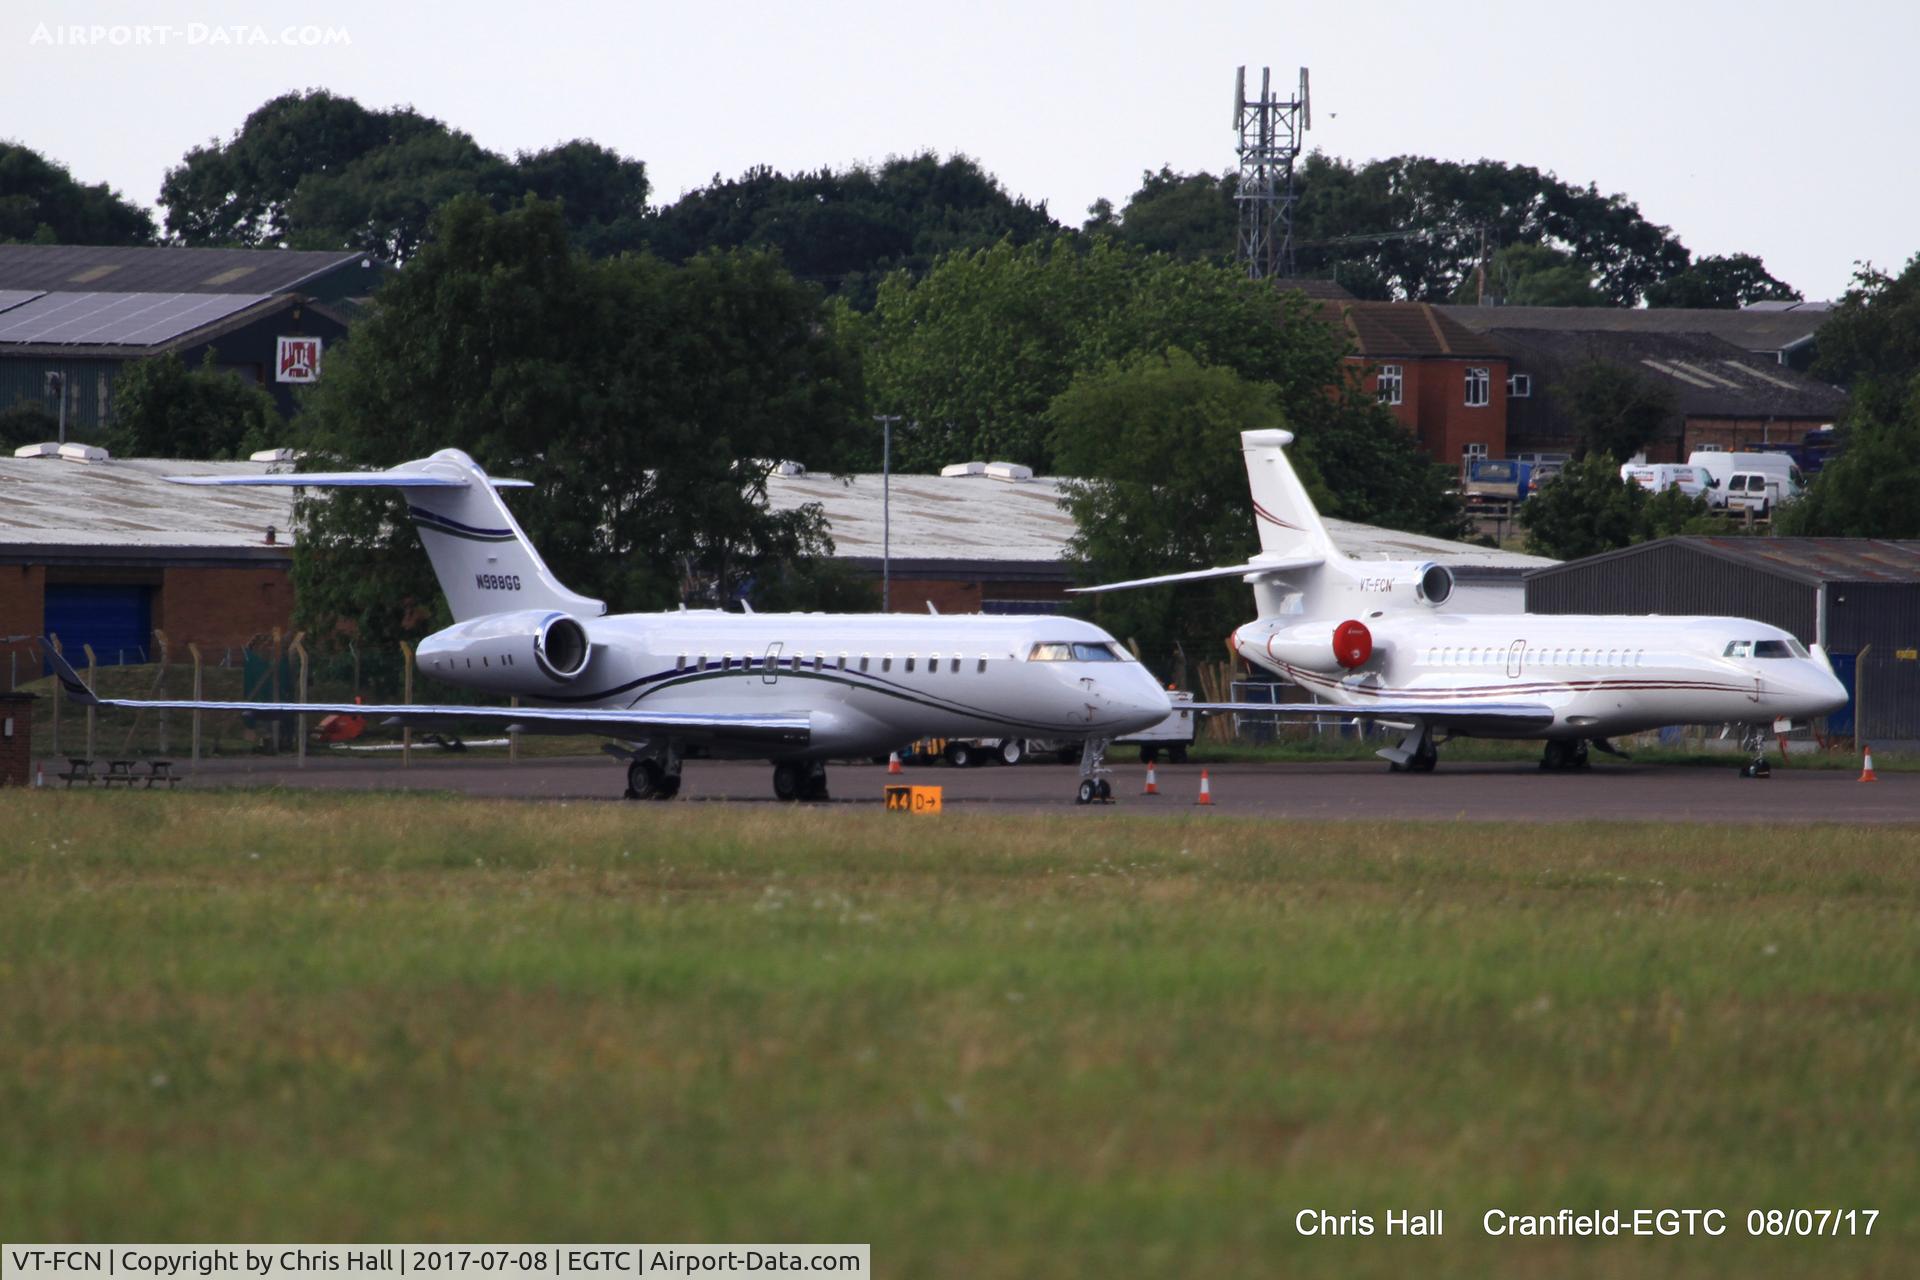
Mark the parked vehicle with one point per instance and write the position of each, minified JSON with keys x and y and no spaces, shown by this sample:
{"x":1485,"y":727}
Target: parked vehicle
{"x":1498,"y":480}
{"x":1755,"y":491}
{"x":1669,"y":475}
{"x":1171,"y":736}
{"x":1722,"y":466}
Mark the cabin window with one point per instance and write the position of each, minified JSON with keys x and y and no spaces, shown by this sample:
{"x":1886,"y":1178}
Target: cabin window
{"x":886,"y":662}
{"x":1099,"y":652}
{"x":955,"y":668}
{"x":843,"y":662}
{"x":1771,"y":649}
{"x":680,"y":663}
{"x":983,"y":663}
{"x":726,"y":662}
{"x":933,"y":663}
{"x":819,"y":661}
{"x":1050,"y":652}
{"x":864,"y":659}
{"x":1738,"y":649}
{"x":909,"y":662}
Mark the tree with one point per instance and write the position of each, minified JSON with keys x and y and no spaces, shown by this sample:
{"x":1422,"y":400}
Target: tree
{"x":1156,"y":442}
{"x":1722,"y":283}
{"x":1871,"y":343}
{"x":602,"y":194}
{"x":1614,"y":410}
{"x":1868,"y":490}
{"x":25,"y":422}
{"x":1534,"y":275}
{"x":383,"y":202}
{"x":1191,"y":216}
{"x":643,"y":400}
{"x":1588,"y":508}
{"x":40,"y":202}
{"x":1414,"y":227}
{"x":845,"y":231}
{"x":162,"y":409}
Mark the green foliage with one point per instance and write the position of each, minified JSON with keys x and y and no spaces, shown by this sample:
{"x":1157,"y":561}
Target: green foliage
{"x":1871,"y":343}
{"x":1411,"y":227}
{"x":1588,"y":509}
{"x":317,"y":170}
{"x":41,"y":203}
{"x":846,"y":230}
{"x":641,"y":398}
{"x":1534,"y":275}
{"x":163,"y":409}
{"x":1614,"y":410}
{"x":1157,"y":439}
{"x":25,"y":422}
{"x":1191,"y":216}
{"x":1869,"y":490}
{"x":1722,"y":283}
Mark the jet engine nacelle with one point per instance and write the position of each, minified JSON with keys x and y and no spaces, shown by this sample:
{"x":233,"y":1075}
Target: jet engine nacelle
{"x":1331,"y":647}
{"x":531,"y":651}
{"x":1426,"y":582}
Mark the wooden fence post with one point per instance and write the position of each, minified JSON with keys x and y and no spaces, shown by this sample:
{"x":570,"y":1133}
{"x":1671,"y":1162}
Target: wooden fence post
{"x":161,"y":637}
{"x":1860,"y":698}
{"x":300,"y":721}
{"x":54,"y":640}
{"x":406,"y":696}
{"x":93,"y":682}
{"x":194,"y":649}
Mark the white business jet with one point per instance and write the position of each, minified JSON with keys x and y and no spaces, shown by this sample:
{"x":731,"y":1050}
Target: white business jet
{"x":1363,"y":635}
{"x":796,"y":689}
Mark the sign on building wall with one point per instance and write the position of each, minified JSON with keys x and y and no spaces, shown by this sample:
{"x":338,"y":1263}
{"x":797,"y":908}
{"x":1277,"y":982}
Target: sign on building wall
{"x":299,"y":360}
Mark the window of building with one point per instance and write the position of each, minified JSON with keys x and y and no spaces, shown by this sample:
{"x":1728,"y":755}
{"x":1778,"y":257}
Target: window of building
{"x":1519,"y":386}
{"x":1479,"y":387}
{"x":1391,"y":384}
{"x":1473,"y":452}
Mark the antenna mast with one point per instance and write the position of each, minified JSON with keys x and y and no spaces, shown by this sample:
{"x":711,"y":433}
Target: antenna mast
{"x":1269,"y":129}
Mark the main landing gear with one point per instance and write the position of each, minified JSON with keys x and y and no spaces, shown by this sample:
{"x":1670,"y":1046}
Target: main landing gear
{"x":800,"y":781}
{"x":654,"y":777}
{"x":1415,"y":754}
{"x":1093,"y":780}
{"x":1565,"y":753}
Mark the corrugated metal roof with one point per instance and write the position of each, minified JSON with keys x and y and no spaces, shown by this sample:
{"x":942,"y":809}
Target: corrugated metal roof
{"x":117,"y":319}
{"x":129,"y":269}
{"x":1808,"y":560}
{"x":972,"y":518}
{"x":1410,"y":329}
{"x":11,"y":298}
{"x":124,"y":504}
{"x":1708,"y":377}
{"x":1769,"y":331}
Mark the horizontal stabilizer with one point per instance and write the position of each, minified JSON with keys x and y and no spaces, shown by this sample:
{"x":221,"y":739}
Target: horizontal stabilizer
{"x":347,"y":480}
{"x":789,"y":729}
{"x":1509,"y":715}
{"x":1255,"y":568}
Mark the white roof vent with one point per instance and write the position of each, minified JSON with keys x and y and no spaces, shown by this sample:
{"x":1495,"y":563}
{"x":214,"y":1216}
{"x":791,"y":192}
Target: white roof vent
{"x":965,"y":469}
{"x":45,"y":449}
{"x":275,"y":455}
{"x":83,"y":453}
{"x":789,"y":468}
{"x":1009,"y":471}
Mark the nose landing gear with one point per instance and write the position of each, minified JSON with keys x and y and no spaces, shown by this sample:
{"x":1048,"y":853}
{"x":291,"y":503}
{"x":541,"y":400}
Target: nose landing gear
{"x":1754,"y":740}
{"x":1093,"y":782}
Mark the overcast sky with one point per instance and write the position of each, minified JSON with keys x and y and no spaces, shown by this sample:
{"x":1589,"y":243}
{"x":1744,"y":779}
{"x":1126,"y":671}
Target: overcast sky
{"x":1781,"y":129}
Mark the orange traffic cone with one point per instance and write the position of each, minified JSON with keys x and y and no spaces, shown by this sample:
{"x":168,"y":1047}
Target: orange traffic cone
{"x":893,"y":763}
{"x":1152,"y":788}
{"x":1866,"y":766}
{"x":1206,"y":791}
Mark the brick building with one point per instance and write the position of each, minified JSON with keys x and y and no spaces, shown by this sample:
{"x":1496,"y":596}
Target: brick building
{"x":1448,"y":384}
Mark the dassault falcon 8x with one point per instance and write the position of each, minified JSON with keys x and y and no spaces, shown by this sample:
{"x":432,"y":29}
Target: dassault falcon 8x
{"x":1364,"y":637}
{"x":796,"y":689}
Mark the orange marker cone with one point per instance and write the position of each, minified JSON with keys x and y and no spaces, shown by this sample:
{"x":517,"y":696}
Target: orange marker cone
{"x":893,"y":763}
{"x":1866,"y":766}
{"x":1206,"y":791}
{"x":1152,"y":788}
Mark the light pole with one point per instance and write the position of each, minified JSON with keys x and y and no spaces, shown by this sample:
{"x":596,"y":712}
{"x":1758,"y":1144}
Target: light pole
{"x":58,"y":384}
{"x":886,"y":421}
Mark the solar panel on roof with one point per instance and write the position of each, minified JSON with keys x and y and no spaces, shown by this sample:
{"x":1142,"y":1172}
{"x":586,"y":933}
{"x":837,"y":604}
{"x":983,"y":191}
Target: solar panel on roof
{"x":11,"y":298}
{"x":117,"y":319}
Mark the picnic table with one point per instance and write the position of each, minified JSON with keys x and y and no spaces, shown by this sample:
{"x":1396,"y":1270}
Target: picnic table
{"x":81,"y":769}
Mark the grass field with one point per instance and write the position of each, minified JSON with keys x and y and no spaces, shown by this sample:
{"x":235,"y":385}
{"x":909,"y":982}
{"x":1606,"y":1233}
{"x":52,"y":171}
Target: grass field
{"x":991,"y":1046}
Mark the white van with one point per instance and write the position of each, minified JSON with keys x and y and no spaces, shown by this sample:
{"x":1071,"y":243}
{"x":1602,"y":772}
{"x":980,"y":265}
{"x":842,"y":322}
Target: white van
{"x":1754,"y":491}
{"x":1722,"y":466}
{"x":1669,"y":475}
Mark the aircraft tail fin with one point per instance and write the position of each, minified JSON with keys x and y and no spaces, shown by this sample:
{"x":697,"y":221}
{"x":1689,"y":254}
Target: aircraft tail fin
{"x":1283,"y":513}
{"x":482,"y":557}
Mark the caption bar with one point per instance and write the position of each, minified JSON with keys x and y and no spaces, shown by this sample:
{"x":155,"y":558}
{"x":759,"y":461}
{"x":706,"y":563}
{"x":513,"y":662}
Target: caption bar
{"x":348,"y":1262}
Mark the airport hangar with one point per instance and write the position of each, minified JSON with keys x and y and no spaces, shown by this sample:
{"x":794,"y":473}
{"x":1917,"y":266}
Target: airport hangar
{"x":103,"y":551}
{"x":1857,"y":597}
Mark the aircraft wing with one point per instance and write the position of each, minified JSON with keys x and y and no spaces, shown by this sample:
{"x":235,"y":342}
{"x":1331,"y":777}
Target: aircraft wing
{"x":344,"y":480}
{"x":789,"y":729}
{"x":1465,"y":715}
{"x":1256,"y":567}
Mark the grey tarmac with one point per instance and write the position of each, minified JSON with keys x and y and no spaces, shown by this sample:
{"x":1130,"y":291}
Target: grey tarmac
{"x":1359,"y":790}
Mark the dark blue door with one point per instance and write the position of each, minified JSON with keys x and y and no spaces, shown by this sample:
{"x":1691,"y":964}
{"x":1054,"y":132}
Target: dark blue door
{"x":116,"y":621}
{"x":1840,"y":723}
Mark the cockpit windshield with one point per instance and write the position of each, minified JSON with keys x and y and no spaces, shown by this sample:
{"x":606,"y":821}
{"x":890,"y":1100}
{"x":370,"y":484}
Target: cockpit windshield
{"x":1078,"y":651}
{"x":1788,"y":648}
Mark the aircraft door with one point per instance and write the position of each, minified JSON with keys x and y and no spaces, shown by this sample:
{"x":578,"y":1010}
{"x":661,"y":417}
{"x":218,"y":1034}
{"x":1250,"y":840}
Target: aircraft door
{"x":1516,"y":654}
{"x":770,"y":668}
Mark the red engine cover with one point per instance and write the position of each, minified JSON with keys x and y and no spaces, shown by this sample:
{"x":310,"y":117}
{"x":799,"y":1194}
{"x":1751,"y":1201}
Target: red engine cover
{"x":1352,"y":643}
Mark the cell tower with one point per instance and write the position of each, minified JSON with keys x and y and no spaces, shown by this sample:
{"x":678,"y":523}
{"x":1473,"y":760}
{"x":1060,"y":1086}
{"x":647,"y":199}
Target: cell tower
{"x":1269,"y":129}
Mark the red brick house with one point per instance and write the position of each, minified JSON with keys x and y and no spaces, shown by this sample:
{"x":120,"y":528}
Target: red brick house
{"x":1448,"y":384}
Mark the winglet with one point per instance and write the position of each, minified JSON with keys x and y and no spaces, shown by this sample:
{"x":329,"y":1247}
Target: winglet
{"x":69,"y":677}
